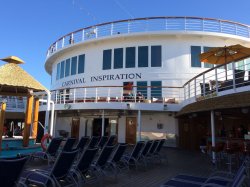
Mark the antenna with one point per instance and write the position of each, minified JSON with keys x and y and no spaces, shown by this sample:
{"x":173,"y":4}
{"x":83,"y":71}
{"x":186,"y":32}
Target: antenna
{"x":124,"y":9}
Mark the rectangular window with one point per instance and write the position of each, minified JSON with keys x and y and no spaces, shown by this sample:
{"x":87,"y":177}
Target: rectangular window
{"x":156,"y":90}
{"x":143,"y":56}
{"x":62,"y":69}
{"x":58,"y":71}
{"x":207,"y":65}
{"x":118,"y":58}
{"x":67,"y":68}
{"x":247,"y":63}
{"x":107,"y":55}
{"x":155,"y":56}
{"x":130,"y":57}
{"x":81,"y":63}
{"x":142,"y":88}
{"x":195,"y":56}
{"x":73,"y":65}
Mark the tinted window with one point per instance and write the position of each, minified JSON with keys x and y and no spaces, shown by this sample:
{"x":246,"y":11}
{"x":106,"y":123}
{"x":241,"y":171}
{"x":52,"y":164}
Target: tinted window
{"x":67,"y":68}
{"x":143,"y":56}
{"x":130,"y":57}
{"x":207,"y":65}
{"x":58,"y":71}
{"x":73,"y":65}
{"x":62,"y":69}
{"x":107,"y":59}
{"x":81,"y":62}
{"x":156,"y":90}
{"x":195,"y":58}
{"x":155,"y":56}
{"x":142,"y":87}
{"x":118,"y":58}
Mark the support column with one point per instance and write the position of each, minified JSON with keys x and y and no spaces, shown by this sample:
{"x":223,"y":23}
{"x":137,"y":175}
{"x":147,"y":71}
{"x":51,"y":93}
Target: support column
{"x":139,"y":124}
{"x":103,"y":121}
{"x":27,"y":124}
{"x":213,"y":135}
{"x":2,"y":117}
{"x":46,"y":126}
{"x":35,"y":118}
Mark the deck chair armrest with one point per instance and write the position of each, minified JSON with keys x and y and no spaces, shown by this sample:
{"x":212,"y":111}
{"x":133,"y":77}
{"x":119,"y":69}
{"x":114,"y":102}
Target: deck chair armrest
{"x":219,"y":178}
{"x":41,"y":174}
{"x":222,"y":174}
{"x":211,"y":185}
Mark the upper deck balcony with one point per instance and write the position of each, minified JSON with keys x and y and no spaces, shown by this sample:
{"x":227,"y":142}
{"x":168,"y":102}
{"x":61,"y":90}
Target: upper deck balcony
{"x":150,"y":24}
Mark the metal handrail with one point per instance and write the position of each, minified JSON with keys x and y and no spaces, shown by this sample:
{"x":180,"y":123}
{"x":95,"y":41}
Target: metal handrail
{"x":148,"y":24}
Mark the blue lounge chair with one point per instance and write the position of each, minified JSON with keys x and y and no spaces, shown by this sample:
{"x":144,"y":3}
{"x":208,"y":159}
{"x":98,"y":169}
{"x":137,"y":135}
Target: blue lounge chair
{"x":152,"y":150}
{"x":115,"y":163}
{"x":69,"y":144}
{"x":53,"y":175}
{"x":216,"y":181}
{"x":102,"y":142}
{"x":145,"y":151}
{"x":10,"y":170}
{"x":157,"y":152}
{"x":93,"y":142}
{"x":111,"y":140}
{"x":82,"y":142}
{"x":132,"y":159}
{"x":51,"y":151}
{"x":82,"y":167}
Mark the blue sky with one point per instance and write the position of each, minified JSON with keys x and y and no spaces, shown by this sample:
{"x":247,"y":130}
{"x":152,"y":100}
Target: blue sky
{"x":28,"y":27}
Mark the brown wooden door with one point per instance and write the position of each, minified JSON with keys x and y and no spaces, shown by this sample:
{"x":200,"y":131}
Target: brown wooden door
{"x":131,"y":130}
{"x":75,"y":127}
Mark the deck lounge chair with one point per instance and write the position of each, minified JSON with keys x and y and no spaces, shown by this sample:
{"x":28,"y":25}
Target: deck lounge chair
{"x":145,"y":151}
{"x":68,"y":146}
{"x":93,"y":142}
{"x":82,"y":142}
{"x":51,"y":151}
{"x":115,"y":163}
{"x":82,"y":167}
{"x":193,"y":181}
{"x":157,"y":152}
{"x":132,"y":159}
{"x":55,"y":175}
{"x":102,"y":142}
{"x":152,"y":150}
{"x":111,"y":140}
{"x":10,"y":170}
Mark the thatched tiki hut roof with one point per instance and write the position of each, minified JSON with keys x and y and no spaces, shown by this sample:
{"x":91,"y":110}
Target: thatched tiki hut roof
{"x":14,"y":81}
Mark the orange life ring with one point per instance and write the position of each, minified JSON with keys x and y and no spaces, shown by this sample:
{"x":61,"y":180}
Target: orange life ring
{"x":44,"y":140}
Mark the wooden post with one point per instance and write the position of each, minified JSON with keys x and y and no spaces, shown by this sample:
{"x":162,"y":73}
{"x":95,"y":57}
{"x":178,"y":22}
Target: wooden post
{"x":2,"y":116}
{"x":27,"y":124}
{"x":35,"y":117}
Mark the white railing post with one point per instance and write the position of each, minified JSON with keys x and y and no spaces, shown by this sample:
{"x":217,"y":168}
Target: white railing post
{"x":189,"y":90}
{"x":195,"y":88}
{"x":128,"y":26}
{"x":85,"y":93}
{"x":83,"y":35}
{"x":64,"y":96}
{"x":96,"y":95}
{"x":216,"y":81}
{"x":56,"y":96}
{"x":63,"y":42}
{"x":204,"y":89}
{"x":72,"y":38}
{"x":185,"y":93}
{"x":111,"y":29}
{"x":56,"y":46}
{"x":74,"y":95}
{"x":108,"y":95}
{"x":121,"y":95}
{"x":96,"y":32}
{"x":233,"y":68}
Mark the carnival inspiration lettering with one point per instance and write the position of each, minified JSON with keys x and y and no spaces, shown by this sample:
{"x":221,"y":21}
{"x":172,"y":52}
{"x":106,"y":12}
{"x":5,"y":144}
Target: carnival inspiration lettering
{"x":121,"y":76}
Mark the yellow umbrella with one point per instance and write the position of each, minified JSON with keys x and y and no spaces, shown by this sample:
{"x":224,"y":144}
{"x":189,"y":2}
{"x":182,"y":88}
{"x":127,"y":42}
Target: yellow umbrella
{"x":226,"y":54}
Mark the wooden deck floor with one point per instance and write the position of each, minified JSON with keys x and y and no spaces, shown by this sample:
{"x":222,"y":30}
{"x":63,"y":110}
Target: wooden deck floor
{"x":179,"y":161}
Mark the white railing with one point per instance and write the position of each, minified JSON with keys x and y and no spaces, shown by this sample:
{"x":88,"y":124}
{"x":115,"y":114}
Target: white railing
{"x":118,"y":94}
{"x":14,"y":104}
{"x":150,"y":24}
{"x":221,"y":80}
